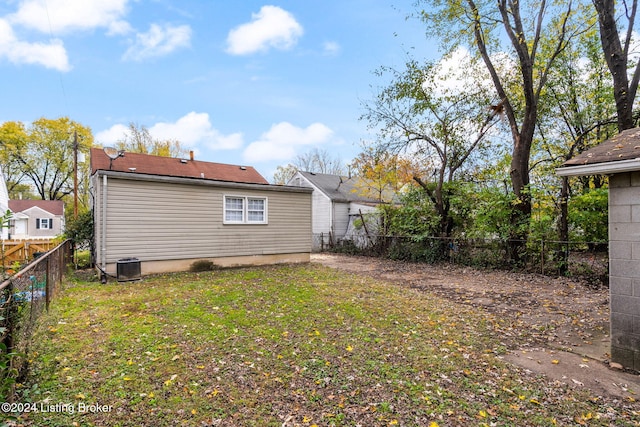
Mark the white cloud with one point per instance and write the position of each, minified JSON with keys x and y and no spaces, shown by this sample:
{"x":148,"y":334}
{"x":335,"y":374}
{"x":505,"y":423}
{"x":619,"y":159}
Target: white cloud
{"x":283,"y":139}
{"x":331,"y":48}
{"x":191,"y":130}
{"x":158,"y":41}
{"x":112,"y":135}
{"x":458,"y":72}
{"x":194,"y":129}
{"x":272,"y":27}
{"x":63,"y":16}
{"x":50,"y":55}
{"x":453,"y":71}
{"x":118,"y":28}
{"x":57,"y":17}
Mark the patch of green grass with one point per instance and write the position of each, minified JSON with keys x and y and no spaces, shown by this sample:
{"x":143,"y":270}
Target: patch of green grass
{"x":300,"y":345}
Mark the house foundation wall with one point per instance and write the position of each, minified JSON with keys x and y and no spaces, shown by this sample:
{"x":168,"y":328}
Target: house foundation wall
{"x":624,"y":268}
{"x":170,"y":266}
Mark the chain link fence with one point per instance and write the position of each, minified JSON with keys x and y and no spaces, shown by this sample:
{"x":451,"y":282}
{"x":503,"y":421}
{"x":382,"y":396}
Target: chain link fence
{"x":23,"y":298}
{"x":587,"y":261}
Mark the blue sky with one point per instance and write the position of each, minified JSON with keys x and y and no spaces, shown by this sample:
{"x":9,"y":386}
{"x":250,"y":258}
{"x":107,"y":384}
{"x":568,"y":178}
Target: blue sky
{"x":245,"y":82}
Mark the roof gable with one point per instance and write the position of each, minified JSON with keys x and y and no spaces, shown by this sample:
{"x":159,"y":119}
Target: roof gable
{"x":170,"y":166}
{"x":338,"y":188}
{"x":54,"y":207}
{"x":36,"y":211}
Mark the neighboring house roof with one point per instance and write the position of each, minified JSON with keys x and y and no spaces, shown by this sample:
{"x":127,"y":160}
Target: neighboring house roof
{"x":620,"y":153}
{"x":339,"y":188}
{"x":54,"y":207}
{"x":169,"y":166}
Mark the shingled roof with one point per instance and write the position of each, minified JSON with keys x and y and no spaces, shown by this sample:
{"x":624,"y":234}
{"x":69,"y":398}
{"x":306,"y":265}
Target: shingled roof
{"x":169,"y":166}
{"x":54,"y":207}
{"x":340,"y":188}
{"x":620,"y":153}
{"x":623,"y":146}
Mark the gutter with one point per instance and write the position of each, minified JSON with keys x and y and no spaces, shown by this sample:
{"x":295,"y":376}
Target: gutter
{"x":204,"y":182}
{"x":606,"y":168}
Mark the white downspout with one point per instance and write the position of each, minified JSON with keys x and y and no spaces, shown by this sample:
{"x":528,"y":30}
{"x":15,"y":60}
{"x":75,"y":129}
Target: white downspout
{"x":103,"y":240}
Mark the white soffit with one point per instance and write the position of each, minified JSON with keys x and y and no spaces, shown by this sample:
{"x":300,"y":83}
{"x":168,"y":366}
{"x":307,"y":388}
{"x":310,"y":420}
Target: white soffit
{"x":606,"y":168}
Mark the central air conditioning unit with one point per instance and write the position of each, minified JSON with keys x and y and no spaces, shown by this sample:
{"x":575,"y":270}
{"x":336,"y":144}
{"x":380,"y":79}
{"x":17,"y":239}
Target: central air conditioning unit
{"x":128,"y":269}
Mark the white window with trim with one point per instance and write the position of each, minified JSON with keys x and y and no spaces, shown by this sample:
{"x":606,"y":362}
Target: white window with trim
{"x":44,"y":223}
{"x":245,"y":210}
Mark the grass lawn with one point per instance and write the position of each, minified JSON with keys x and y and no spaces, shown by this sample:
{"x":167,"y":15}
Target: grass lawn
{"x":283,"y":346}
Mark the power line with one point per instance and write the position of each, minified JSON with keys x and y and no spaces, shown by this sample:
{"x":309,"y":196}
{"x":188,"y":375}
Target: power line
{"x":64,"y":94}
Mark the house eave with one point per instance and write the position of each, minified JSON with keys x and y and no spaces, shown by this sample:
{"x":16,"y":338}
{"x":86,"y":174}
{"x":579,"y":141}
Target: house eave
{"x":606,"y":168}
{"x":205,"y":182}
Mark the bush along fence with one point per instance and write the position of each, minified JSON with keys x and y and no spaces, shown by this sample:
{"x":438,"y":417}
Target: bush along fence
{"x":584,"y":260}
{"x":23,"y":298}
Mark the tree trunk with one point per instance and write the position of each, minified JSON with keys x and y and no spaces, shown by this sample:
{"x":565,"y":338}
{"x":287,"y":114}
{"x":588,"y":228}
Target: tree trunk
{"x":521,"y":210}
{"x":561,"y":256}
{"x":617,"y":61}
{"x":443,"y":209}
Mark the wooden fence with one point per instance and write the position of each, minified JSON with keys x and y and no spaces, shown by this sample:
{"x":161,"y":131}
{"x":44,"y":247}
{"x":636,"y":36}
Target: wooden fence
{"x":22,"y":251}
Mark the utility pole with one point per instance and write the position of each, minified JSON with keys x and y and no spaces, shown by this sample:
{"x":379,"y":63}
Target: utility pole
{"x":75,"y":174}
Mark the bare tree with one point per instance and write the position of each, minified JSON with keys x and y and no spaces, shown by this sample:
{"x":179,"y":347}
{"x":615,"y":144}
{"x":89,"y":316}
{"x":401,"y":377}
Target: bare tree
{"x":319,"y":161}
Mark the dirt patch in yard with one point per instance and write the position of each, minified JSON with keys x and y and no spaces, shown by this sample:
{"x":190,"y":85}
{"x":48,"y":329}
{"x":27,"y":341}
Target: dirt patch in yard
{"x":557,"y":327}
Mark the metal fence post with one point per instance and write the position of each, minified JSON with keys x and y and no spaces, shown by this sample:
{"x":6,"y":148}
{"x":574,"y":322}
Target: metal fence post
{"x":9,"y":318}
{"x":9,"y":339}
{"x":542,"y":255}
{"x":47,"y":284}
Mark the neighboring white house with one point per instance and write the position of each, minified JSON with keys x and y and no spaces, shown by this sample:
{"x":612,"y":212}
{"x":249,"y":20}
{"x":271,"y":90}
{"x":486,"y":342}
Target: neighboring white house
{"x":4,"y":203}
{"x":36,"y":219}
{"x":337,"y":204}
{"x":169,"y":212}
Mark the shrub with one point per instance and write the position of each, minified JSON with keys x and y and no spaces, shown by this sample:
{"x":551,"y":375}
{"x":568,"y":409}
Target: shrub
{"x":202,"y":265}
{"x":83,"y":259}
{"x":80,"y":229}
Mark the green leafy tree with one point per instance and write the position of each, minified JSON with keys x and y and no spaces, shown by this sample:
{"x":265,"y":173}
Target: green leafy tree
{"x":138,"y":139}
{"x":427,"y":114}
{"x":414,"y":216}
{"x":47,"y":157}
{"x":491,"y":208}
{"x":535,"y":33}
{"x":588,"y":216}
{"x":13,"y":144}
{"x":383,"y":174}
{"x":577,"y":112}
{"x":283,"y":174}
{"x":80,"y":229}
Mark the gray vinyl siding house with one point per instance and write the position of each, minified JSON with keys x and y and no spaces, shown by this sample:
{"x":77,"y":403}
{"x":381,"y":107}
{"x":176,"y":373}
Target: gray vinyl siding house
{"x":169,"y":221}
